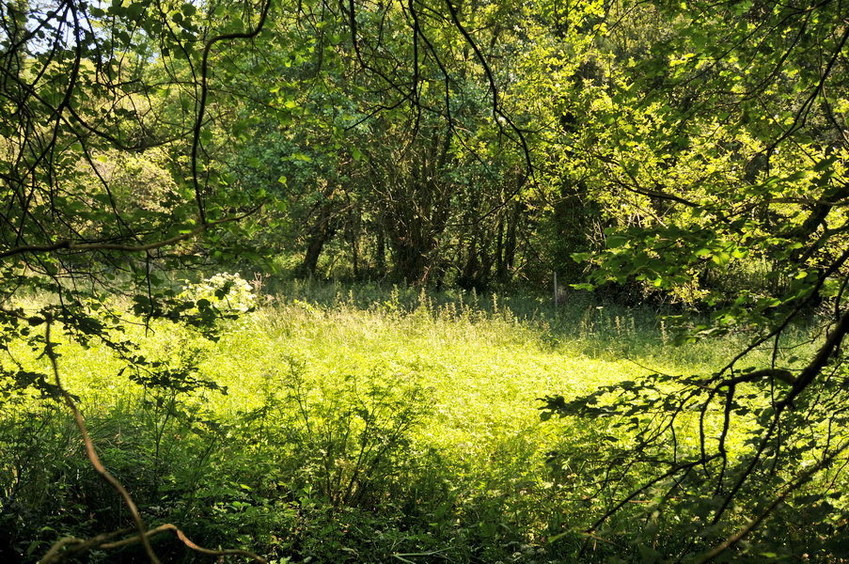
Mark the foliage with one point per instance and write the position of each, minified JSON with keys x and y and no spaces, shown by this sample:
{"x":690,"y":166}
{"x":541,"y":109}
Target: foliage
{"x":718,"y":157}
{"x":422,"y":407}
{"x":356,"y":426}
{"x":225,"y":292}
{"x":692,"y":154}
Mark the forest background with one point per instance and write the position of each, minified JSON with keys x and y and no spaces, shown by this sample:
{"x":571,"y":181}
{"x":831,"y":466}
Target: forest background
{"x":528,"y":205}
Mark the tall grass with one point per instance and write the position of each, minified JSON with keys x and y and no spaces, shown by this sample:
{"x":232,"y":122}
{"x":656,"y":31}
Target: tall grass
{"x":367,"y":424}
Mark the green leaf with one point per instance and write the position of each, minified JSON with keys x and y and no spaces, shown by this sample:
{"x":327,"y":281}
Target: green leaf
{"x":135,"y":11}
{"x":616,"y":241}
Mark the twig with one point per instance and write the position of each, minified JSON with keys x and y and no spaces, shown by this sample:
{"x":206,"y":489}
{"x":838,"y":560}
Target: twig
{"x":93,"y":457}
{"x":72,"y":545}
{"x":89,"y":247}
{"x":753,"y":523}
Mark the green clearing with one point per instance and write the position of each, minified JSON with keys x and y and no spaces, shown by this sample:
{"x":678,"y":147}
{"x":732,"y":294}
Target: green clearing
{"x":690,"y":159}
{"x":358,"y":425}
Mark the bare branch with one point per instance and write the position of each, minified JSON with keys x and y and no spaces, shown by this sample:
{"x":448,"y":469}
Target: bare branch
{"x":93,"y":457}
{"x":104,"y":246}
{"x":204,"y":92}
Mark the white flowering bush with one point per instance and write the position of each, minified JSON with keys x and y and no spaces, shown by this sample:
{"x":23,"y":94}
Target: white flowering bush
{"x":226,"y":292}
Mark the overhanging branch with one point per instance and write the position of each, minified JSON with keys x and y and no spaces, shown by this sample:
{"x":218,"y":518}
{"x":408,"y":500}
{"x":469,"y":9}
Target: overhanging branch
{"x":67,"y":245}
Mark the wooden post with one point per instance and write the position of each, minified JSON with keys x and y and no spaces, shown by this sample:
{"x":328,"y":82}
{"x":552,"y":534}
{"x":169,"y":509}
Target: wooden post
{"x":556,"y":292}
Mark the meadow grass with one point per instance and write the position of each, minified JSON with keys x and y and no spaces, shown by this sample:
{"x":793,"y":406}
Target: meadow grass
{"x":365,"y":399}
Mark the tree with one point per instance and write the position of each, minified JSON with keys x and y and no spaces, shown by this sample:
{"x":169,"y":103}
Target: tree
{"x":126,"y":140}
{"x":724,"y":159}
{"x":102,"y":178}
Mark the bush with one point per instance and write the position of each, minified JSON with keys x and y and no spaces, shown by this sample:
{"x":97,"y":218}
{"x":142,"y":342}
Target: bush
{"x":227,"y":293}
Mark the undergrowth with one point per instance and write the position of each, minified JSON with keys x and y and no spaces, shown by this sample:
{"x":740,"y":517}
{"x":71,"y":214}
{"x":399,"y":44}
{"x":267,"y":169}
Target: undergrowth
{"x":338,"y":424}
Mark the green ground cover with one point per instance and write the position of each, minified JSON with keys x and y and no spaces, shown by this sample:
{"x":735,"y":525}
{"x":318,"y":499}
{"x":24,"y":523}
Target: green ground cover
{"x":335,"y":424}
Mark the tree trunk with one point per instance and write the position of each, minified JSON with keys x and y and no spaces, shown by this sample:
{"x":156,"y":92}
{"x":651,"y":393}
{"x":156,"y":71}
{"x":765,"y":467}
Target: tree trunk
{"x":319,"y":234}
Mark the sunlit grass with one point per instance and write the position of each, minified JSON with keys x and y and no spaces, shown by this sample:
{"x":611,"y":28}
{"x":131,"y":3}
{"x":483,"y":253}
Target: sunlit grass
{"x":477,"y":365}
{"x":483,"y":364}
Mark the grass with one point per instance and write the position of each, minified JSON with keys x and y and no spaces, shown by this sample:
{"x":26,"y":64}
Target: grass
{"x":359,"y":424}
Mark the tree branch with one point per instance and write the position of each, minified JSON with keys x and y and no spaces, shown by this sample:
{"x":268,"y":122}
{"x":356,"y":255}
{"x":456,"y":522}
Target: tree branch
{"x":103,"y":246}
